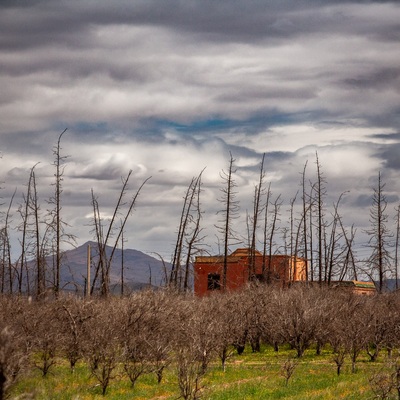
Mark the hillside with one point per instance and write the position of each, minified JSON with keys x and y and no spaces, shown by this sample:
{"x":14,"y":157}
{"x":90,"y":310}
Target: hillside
{"x":140,"y":269}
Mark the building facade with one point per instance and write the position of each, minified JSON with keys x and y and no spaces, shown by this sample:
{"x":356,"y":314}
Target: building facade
{"x":279,"y":270}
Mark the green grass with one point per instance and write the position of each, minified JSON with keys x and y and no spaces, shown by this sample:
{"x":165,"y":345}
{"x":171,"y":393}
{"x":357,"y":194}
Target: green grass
{"x":249,"y":376}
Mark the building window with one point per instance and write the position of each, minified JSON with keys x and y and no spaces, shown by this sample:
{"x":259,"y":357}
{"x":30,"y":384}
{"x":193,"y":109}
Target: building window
{"x":213,"y":282}
{"x":257,"y":278}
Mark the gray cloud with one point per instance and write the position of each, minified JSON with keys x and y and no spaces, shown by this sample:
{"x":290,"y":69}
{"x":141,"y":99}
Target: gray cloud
{"x":166,"y":89}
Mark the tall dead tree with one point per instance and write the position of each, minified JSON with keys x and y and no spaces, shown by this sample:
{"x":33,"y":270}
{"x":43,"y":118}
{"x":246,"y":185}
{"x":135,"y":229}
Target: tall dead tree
{"x":105,"y":259}
{"x":194,"y":237}
{"x":57,"y":223}
{"x":39,"y":260}
{"x":396,"y":248}
{"x":7,"y":265}
{"x":349,"y":260}
{"x":228,"y":213}
{"x":257,"y":209}
{"x":306,"y":209}
{"x":335,"y":251}
{"x":265,"y":234}
{"x":191,"y":205}
{"x":379,"y":234}
{"x":25,"y":228}
{"x":274,"y":221}
{"x":320,"y":192}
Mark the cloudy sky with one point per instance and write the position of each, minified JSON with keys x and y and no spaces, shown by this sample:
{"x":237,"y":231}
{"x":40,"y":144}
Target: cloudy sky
{"x":167,"y":88}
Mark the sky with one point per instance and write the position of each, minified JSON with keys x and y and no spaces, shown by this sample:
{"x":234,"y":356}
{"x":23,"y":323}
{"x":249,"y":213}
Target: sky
{"x":168,"y":88}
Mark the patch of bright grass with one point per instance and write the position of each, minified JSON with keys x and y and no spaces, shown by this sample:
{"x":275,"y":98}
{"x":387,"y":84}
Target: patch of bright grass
{"x":249,"y":376}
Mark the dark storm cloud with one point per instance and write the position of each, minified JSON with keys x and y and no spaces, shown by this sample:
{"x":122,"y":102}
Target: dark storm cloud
{"x":390,"y":155}
{"x":31,"y":143}
{"x":70,"y":22}
{"x":377,"y":80}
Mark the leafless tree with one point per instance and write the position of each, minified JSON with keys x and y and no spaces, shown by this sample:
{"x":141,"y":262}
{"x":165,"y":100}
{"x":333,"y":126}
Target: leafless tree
{"x":101,"y":346}
{"x":265,"y":232}
{"x":257,"y":210}
{"x":73,"y":314}
{"x":40,"y":266}
{"x":396,"y":248}
{"x":381,"y":384}
{"x":356,"y":325}
{"x":188,"y":235}
{"x":349,"y":259}
{"x":273,"y":229}
{"x":288,"y":368}
{"x":135,"y":330}
{"x":379,"y":236}
{"x":306,"y":209}
{"x":24,"y":211}
{"x":14,"y":352}
{"x":57,"y":223}
{"x":337,"y":249}
{"x":6,"y":262}
{"x":320,"y":192}
{"x":229,"y":329}
{"x":228,"y":213}
{"x":298,"y":319}
{"x":103,"y":239}
{"x":43,"y":334}
{"x":194,"y":345}
{"x":161,"y":317}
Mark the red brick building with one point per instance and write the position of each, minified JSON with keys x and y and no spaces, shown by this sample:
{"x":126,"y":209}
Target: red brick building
{"x":279,"y":270}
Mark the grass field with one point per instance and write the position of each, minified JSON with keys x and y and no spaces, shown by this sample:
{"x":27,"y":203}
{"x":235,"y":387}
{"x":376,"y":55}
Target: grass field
{"x":249,"y":376}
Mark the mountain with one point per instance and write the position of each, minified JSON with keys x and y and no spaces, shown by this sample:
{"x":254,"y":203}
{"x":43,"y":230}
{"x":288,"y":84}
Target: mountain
{"x":140,"y":269}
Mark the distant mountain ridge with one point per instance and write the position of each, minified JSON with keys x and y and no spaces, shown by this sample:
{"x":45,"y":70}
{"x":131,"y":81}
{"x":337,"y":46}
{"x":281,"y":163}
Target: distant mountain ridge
{"x":140,"y":269}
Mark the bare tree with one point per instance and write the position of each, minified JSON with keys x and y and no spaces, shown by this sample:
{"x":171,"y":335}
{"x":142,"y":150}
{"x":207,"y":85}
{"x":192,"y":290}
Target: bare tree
{"x":57,"y":223}
{"x":194,"y":345}
{"x":101,"y":347}
{"x":44,"y":334}
{"x":73,"y":314}
{"x":14,"y":349}
{"x":24,"y":211}
{"x":257,"y":209}
{"x":275,"y":219}
{"x":306,"y":209}
{"x":40,"y":267}
{"x":265,"y":233}
{"x":320,"y":192}
{"x":379,"y":234}
{"x":229,"y":213}
{"x":349,"y":260}
{"x":7,"y":264}
{"x":336,"y":250}
{"x":298,"y":320}
{"x":288,"y":368}
{"x":396,"y":248}
{"x":229,"y":325}
{"x":105,"y":260}
{"x":188,"y":235}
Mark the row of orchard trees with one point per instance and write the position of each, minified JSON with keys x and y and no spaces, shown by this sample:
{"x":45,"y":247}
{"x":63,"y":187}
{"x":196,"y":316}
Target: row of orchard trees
{"x":151,"y":331}
{"x":310,"y":229}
